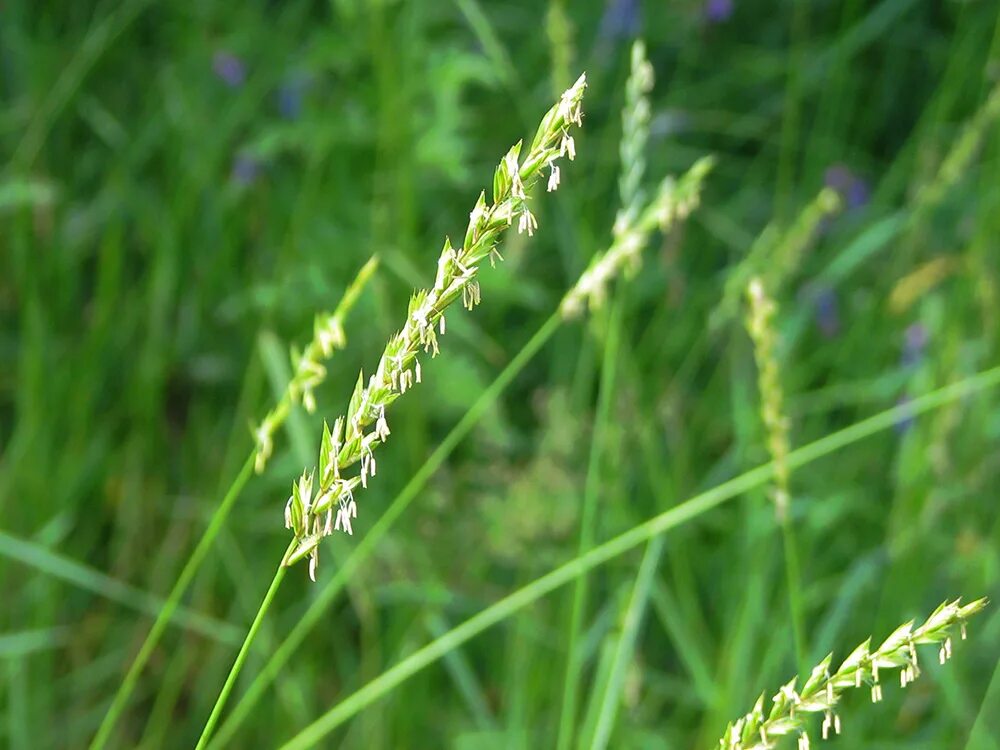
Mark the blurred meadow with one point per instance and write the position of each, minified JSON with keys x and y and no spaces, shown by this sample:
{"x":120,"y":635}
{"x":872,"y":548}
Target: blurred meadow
{"x":186,"y":185}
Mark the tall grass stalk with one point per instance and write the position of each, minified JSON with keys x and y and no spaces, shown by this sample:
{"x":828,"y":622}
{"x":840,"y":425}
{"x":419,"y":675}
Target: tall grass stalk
{"x":364,"y":426}
{"x":241,"y":657}
{"x":639,"y":534}
{"x":632,"y":149}
{"x":588,"y":526}
{"x":309,"y":373}
{"x":760,"y":325}
{"x":791,"y":710}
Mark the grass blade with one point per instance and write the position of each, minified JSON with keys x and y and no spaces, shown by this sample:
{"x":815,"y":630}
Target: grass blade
{"x":643,"y":532}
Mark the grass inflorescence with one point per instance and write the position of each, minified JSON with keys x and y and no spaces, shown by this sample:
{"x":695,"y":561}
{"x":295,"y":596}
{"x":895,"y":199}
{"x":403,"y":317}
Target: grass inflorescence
{"x":791,"y":710}
{"x":355,"y":436}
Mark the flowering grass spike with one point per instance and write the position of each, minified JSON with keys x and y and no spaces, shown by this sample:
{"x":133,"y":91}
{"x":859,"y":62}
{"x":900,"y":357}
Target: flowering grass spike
{"x":791,"y":709}
{"x":674,"y":201}
{"x":760,"y":324}
{"x":310,"y":514}
{"x":309,"y":371}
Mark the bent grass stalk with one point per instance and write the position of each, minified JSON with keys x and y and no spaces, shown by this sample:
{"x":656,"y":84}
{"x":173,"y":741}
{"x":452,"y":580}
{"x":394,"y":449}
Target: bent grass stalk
{"x":51,"y":563}
{"x":669,"y":519}
{"x":821,"y":692}
{"x":330,"y":328}
{"x":672,"y":202}
{"x":353,"y":439}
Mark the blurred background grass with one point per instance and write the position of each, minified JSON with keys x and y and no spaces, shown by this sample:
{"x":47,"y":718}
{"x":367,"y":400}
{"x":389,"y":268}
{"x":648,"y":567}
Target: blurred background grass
{"x":188,"y":183}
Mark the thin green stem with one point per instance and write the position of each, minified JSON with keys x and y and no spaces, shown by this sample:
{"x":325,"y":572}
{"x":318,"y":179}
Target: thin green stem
{"x":574,"y":660}
{"x":630,"y":539}
{"x":241,"y":657}
{"x":606,"y":704}
{"x":127,"y":686}
{"x":382,"y":526}
{"x":793,"y":579}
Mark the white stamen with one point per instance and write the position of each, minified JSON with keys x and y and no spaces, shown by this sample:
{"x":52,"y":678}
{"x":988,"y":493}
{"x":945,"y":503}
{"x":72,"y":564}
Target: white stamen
{"x":553,"y":178}
{"x":527,"y":222}
{"x":568,"y":146}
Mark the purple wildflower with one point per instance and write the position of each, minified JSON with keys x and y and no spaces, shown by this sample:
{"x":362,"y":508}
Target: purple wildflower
{"x":905,"y":421}
{"x":853,"y":189}
{"x":229,"y":68}
{"x":717,"y":11}
{"x":858,"y":194}
{"x":827,"y":312}
{"x":914,"y":343}
{"x":246,"y":169}
{"x":291,"y":97}
{"x":621,"y":19}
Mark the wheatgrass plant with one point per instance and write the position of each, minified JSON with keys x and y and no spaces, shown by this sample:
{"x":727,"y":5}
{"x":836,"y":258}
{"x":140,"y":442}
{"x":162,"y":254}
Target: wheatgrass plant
{"x":355,"y":435}
{"x":641,"y":533}
{"x":673,"y":201}
{"x":309,"y":373}
{"x":791,"y":711}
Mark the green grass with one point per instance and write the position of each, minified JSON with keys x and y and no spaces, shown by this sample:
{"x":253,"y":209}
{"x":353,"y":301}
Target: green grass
{"x":516,"y":522}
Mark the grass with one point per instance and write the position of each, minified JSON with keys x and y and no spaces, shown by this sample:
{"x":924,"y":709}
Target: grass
{"x":167,"y":236}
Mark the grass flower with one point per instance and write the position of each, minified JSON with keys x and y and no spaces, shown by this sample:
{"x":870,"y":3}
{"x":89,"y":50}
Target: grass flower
{"x":356,"y":435}
{"x":307,"y":366}
{"x":791,"y":709}
{"x":675,"y":200}
{"x":760,"y":325}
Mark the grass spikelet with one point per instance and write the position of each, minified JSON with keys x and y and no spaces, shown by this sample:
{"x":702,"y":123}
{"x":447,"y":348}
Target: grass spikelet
{"x":791,"y":709}
{"x":674,"y":202}
{"x":355,"y":436}
{"x":760,"y":325}
{"x":308,"y":368}
{"x":635,"y":136}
